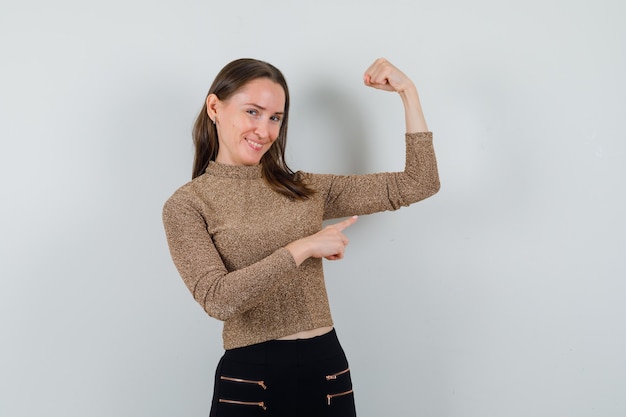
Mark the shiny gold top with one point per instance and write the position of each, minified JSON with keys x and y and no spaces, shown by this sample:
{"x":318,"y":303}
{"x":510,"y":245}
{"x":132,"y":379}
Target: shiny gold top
{"x":226,"y":231}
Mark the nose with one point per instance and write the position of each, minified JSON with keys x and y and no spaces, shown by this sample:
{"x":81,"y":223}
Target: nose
{"x":262,"y":129}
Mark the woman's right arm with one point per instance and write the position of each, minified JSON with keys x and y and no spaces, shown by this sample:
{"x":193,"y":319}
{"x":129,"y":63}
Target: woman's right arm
{"x":221,"y":293}
{"x":329,"y":243}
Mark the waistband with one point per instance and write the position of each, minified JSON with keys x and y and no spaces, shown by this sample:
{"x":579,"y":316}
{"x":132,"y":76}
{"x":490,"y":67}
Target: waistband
{"x":297,"y":350}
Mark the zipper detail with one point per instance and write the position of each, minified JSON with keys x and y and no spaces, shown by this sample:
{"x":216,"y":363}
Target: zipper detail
{"x":329,"y":397}
{"x":257,"y":404}
{"x":334,"y":376}
{"x":244,"y":381}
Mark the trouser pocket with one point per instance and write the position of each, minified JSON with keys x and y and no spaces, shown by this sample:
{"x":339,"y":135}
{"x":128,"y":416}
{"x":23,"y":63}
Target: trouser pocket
{"x":243,"y":381}
{"x":240,"y":390}
{"x":339,"y":393}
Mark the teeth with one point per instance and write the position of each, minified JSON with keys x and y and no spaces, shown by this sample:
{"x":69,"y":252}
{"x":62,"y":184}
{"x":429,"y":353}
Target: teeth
{"x":254,"y":144}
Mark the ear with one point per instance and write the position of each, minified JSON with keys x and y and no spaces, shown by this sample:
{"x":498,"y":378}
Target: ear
{"x":212,"y":104}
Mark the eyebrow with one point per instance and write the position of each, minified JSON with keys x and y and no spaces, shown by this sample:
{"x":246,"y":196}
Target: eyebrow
{"x":262,"y":108}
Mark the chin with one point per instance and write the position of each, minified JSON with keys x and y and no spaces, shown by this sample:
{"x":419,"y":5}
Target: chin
{"x":251,"y":162}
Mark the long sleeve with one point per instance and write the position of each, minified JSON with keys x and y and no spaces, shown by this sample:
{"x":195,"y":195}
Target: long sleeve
{"x":227,"y":231}
{"x":365,"y":194}
{"x":221,"y":293}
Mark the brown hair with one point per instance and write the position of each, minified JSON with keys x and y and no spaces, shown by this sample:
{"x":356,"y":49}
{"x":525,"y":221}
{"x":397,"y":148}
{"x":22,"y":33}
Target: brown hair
{"x":228,"y":81}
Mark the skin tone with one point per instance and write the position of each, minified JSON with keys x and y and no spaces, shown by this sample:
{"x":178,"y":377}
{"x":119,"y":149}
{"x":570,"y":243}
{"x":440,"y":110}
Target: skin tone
{"x":249,"y":121}
{"x":330,"y":242}
{"x":384,"y":76}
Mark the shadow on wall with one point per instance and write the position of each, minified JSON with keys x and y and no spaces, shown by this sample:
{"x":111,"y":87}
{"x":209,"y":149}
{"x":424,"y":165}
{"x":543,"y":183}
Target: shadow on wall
{"x":335,"y":135}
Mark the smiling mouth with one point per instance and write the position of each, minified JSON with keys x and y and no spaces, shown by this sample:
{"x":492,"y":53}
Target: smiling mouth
{"x":255,"y":145}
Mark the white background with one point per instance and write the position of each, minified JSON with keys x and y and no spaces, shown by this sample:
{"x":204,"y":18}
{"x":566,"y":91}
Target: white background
{"x":503,"y":295}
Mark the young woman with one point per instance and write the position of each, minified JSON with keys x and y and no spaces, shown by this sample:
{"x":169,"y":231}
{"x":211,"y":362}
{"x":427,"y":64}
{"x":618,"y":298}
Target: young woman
{"x":246,"y":236}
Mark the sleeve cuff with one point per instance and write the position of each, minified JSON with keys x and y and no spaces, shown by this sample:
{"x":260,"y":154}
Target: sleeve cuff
{"x":420,"y":136}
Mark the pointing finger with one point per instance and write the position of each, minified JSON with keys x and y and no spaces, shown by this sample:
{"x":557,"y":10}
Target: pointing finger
{"x":345,"y":223}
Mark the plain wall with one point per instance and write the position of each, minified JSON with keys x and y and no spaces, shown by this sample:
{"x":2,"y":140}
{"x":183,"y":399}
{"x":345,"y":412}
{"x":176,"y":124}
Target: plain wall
{"x":503,"y":295}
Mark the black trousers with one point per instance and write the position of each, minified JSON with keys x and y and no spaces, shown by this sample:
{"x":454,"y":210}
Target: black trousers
{"x":285,"y":378}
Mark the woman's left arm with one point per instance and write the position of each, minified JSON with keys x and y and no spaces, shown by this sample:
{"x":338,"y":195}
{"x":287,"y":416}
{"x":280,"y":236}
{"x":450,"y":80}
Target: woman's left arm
{"x":371,"y":193}
{"x":385,"y":76}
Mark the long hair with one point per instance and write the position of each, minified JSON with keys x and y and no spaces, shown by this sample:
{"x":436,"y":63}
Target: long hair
{"x":228,"y":81}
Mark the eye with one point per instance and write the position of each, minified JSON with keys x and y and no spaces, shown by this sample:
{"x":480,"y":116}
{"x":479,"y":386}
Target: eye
{"x":276,"y":119}
{"x":252,"y":112}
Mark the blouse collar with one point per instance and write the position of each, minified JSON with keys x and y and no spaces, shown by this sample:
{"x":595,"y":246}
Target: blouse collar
{"x":234,"y":171}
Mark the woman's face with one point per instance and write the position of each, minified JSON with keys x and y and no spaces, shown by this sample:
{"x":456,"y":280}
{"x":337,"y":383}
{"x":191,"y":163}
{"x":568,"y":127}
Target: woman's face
{"x":247,"y":122}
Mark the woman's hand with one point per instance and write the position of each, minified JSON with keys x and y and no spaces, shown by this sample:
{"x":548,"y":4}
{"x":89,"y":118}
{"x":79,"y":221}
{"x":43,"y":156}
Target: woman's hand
{"x":329,"y":243}
{"x":384,"y":76}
